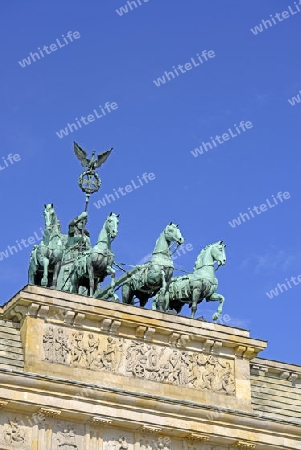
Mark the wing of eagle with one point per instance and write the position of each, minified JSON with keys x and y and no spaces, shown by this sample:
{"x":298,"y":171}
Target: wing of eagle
{"x":81,"y":154}
{"x":102,"y":157}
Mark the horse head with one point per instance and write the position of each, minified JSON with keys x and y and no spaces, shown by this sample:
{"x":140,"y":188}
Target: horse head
{"x":173,"y":234}
{"x":210,"y":254}
{"x":218,"y":253}
{"x":50,"y":216}
{"x":111,"y":225}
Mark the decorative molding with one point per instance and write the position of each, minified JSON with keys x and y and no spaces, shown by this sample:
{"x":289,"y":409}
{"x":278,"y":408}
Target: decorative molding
{"x":244,"y":445}
{"x":217,"y":345}
{"x":105,"y":325}
{"x":69,"y":316}
{"x":50,"y":412}
{"x":293,"y":377}
{"x":184,"y":339}
{"x":250,"y":353}
{"x":145,"y":333}
{"x":150,"y":429}
{"x":79,"y":318}
{"x":178,"y":340}
{"x":140,"y":332}
{"x":100,"y":420}
{"x":43,"y":312}
{"x":18,"y":313}
{"x":284,"y":375}
{"x":173,"y":339}
{"x":208,"y":344}
{"x":33,"y":309}
{"x":115,"y":327}
{"x":198,"y":437}
{"x":239,"y":350}
{"x":148,"y":335}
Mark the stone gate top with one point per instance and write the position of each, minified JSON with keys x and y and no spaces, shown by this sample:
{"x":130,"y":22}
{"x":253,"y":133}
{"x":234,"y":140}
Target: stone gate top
{"x":127,"y":368}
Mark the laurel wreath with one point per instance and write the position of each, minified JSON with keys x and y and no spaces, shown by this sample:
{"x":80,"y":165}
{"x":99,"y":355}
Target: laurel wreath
{"x":96,"y":181}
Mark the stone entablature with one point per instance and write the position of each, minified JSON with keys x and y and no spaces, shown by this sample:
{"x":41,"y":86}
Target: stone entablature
{"x":276,"y":390}
{"x":106,"y":376}
{"x":146,"y":361}
{"x":185,"y":358}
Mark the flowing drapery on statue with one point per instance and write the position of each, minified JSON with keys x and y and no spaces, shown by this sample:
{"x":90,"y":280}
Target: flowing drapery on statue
{"x":78,"y":242}
{"x":202,"y":284}
{"x":93,"y":264}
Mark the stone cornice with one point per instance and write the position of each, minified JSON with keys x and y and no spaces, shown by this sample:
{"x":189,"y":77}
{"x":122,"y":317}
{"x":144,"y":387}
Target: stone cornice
{"x":244,"y":445}
{"x":61,"y":308}
{"x":285,"y":371}
{"x":106,"y":397}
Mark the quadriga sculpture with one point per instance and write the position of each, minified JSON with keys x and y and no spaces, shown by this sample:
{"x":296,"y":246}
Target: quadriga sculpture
{"x":202,"y":284}
{"x":45,"y":258}
{"x":154,"y":277}
{"x":93,"y":265}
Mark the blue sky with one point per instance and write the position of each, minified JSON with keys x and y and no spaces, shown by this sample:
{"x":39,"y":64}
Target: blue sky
{"x":116,"y":58}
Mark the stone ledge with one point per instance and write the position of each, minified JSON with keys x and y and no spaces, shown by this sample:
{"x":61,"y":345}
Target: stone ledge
{"x":62,"y":308}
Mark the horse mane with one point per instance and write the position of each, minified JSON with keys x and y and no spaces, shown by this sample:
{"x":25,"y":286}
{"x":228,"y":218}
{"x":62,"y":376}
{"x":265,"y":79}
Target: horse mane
{"x":203,"y":250}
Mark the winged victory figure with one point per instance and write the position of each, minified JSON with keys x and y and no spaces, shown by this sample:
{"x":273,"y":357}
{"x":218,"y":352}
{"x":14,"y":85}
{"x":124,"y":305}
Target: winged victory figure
{"x":94,"y":162}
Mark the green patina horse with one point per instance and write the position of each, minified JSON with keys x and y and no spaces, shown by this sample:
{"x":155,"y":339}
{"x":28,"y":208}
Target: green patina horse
{"x":45,"y":258}
{"x":191,"y":289}
{"x":93,"y":265}
{"x":154,"y":277}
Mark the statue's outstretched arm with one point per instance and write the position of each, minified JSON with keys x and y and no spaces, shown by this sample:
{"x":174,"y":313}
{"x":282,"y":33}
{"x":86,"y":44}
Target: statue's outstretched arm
{"x":76,"y":220}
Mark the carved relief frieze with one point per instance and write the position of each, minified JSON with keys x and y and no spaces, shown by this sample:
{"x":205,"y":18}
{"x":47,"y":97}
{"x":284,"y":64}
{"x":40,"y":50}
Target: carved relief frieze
{"x":143,"y":360}
{"x":15,"y":434}
{"x":114,"y":440}
{"x":67,"y":437}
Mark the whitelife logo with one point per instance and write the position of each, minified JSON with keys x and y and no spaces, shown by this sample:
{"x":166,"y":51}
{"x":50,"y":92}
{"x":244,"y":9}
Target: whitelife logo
{"x":188,"y":66}
{"x":124,"y":9}
{"x":11,"y":158}
{"x":146,"y":177}
{"x":296,"y":99}
{"x":280,"y":17}
{"x":221,"y":139}
{"x":109,"y":106}
{"x":53,"y":48}
{"x":259,"y":209}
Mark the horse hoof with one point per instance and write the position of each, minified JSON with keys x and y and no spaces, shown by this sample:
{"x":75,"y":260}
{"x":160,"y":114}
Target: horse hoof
{"x":202,"y":318}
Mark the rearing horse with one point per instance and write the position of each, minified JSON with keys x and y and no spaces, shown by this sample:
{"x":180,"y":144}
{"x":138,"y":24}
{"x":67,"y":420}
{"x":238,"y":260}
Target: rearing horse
{"x":193,"y":288}
{"x":47,"y":256}
{"x":96,"y":263}
{"x":154,"y":277}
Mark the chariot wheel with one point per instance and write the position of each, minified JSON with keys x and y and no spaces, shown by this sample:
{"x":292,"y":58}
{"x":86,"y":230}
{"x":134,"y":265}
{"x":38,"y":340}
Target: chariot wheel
{"x":139,"y":370}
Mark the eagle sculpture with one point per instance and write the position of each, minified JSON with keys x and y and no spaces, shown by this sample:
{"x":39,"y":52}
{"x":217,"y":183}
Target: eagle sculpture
{"x":92,"y":163}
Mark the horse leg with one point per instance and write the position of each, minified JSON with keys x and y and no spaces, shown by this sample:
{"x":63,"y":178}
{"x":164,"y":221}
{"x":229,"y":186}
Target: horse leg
{"x":216,"y":298}
{"x":55,"y":275}
{"x":195,"y":299}
{"x":91,"y":277}
{"x":127,"y":294}
{"x":112,"y":272}
{"x":31,"y":273}
{"x":155,"y":303}
{"x":44,"y":280}
{"x":162,"y":292}
{"x":73,"y":282}
{"x":143,"y":300}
